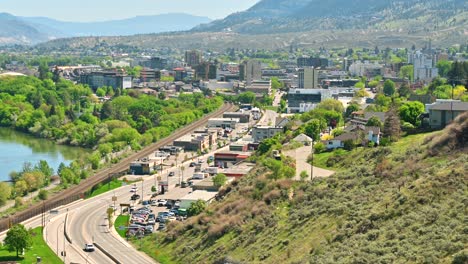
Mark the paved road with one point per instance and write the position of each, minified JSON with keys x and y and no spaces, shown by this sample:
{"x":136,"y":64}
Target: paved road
{"x":268,"y":118}
{"x":88,"y":224}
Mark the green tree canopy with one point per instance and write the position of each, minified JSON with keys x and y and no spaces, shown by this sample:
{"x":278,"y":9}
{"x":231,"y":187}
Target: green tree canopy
{"x":219,"y":180}
{"x":17,"y":238}
{"x":389,"y":88}
{"x":410,"y":112}
{"x":196,"y":208}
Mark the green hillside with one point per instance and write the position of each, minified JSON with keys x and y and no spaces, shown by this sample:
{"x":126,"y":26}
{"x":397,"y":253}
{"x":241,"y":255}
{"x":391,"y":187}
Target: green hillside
{"x":405,"y":203}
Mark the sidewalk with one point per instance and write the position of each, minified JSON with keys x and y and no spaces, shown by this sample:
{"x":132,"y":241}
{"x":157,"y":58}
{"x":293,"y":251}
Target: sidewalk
{"x":300,"y":156}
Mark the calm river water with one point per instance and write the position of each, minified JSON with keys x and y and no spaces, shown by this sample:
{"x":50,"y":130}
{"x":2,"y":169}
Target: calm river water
{"x":17,"y":148}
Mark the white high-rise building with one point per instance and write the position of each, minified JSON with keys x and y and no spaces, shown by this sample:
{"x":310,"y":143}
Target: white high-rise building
{"x":424,"y":66}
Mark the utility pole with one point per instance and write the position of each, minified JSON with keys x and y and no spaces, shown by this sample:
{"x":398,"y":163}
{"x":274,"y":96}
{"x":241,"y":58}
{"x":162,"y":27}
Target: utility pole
{"x":312,"y":162}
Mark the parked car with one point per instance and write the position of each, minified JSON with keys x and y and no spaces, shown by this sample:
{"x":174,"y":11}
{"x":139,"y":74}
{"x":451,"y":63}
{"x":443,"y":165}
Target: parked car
{"x":171,"y":173}
{"x":145,"y":203}
{"x":134,"y":189}
{"x":135,"y":197}
{"x":89,"y":248}
{"x":161,"y":226}
{"x":162,"y":202}
{"x":154,"y":203}
{"x":149,"y":229}
{"x":192,"y":164}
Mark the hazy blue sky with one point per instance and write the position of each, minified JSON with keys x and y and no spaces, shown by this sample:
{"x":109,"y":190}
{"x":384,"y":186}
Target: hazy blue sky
{"x":98,"y":10}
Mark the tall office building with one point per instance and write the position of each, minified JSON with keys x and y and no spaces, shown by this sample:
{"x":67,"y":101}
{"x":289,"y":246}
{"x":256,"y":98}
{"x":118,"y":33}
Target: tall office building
{"x":250,"y":71}
{"x":308,"y":78}
{"x":193,"y":57}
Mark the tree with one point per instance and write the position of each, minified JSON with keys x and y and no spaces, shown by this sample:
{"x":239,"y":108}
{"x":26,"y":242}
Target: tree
{"x":410,"y":112}
{"x":444,"y":67}
{"x":319,"y":147}
{"x":405,"y":91}
{"x":219,"y":180}
{"x":17,"y":238}
{"x":362,"y":93}
{"x":110,"y":212}
{"x":5,"y":192}
{"x":196,"y":208}
{"x":389,"y":88}
{"x":247,"y":98}
{"x":375,"y":122}
{"x":331,"y":105}
{"x":392,"y":126}
{"x":312,"y":129}
{"x":407,"y":72}
{"x":353,"y":107}
{"x":100,"y":92}
{"x":44,"y":71}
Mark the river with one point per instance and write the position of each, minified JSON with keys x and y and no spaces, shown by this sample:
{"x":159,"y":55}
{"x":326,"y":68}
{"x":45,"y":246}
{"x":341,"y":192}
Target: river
{"x":16,"y":148}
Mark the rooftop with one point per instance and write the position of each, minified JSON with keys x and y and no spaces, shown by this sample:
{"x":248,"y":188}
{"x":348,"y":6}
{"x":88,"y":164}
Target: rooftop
{"x":199,"y":195}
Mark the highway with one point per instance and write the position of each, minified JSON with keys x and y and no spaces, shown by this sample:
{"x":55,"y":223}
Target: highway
{"x":87,"y":220}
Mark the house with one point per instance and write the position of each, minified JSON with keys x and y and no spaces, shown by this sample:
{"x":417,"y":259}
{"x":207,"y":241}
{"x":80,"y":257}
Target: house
{"x":359,"y":134}
{"x":244,"y":117}
{"x":281,"y":121}
{"x":304,"y":139}
{"x":361,"y":117}
{"x":443,"y":112}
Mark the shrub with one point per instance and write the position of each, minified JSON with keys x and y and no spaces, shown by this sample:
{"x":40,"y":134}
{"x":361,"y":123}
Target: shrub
{"x":18,"y":202}
{"x":43,"y":194}
{"x":319,"y":147}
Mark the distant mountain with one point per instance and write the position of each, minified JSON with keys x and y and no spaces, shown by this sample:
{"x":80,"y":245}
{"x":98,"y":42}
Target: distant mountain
{"x":31,"y":30}
{"x":275,"y":16}
{"x":14,"y":30}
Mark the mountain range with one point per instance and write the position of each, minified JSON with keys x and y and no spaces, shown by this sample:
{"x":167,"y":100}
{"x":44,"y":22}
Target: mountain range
{"x":32,"y":30}
{"x":274,"y":16}
{"x":269,"y":24}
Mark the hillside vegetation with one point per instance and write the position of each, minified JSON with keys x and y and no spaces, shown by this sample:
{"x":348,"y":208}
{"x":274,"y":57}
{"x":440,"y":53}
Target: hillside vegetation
{"x":405,"y":203}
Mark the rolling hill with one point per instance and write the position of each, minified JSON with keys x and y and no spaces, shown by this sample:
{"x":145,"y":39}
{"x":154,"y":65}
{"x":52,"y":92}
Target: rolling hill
{"x":32,"y":30}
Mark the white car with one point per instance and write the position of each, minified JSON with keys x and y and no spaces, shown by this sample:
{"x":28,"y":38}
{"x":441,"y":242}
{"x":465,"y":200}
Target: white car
{"x":89,"y":248}
{"x":134,"y":189}
{"x":162,"y":202}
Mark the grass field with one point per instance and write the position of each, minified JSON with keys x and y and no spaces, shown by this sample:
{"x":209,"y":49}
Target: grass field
{"x":106,"y":187}
{"x":121,"y":220}
{"x":39,"y":249}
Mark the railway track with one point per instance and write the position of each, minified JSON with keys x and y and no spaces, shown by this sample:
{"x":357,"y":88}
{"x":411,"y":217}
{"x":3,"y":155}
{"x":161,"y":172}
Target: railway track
{"x":78,"y":191}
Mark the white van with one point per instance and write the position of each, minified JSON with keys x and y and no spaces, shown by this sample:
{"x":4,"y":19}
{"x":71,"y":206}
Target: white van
{"x":199,"y":176}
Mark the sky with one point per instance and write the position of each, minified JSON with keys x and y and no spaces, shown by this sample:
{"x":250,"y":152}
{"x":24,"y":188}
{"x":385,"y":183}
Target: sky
{"x":101,"y":10}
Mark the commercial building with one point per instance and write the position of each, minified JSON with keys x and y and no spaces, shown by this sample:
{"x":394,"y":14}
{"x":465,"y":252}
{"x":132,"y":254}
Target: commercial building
{"x":244,"y":117}
{"x":223,"y":122}
{"x":312,"y":62}
{"x":259,"y":133}
{"x":206,"y":71}
{"x":308,"y":78}
{"x":194,"y":196}
{"x":193,"y":142}
{"x":303,"y":100}
{"x":259,"y":87}
{"x":239,"y":170}
{"x":142,"y":166}
{"x":106,"y":78}
{"x":230,"y":158}
{"x":250,"y":71}
{"x":193,"y":57}
{"x":149,"y":75}
{"x":365,"y":68}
